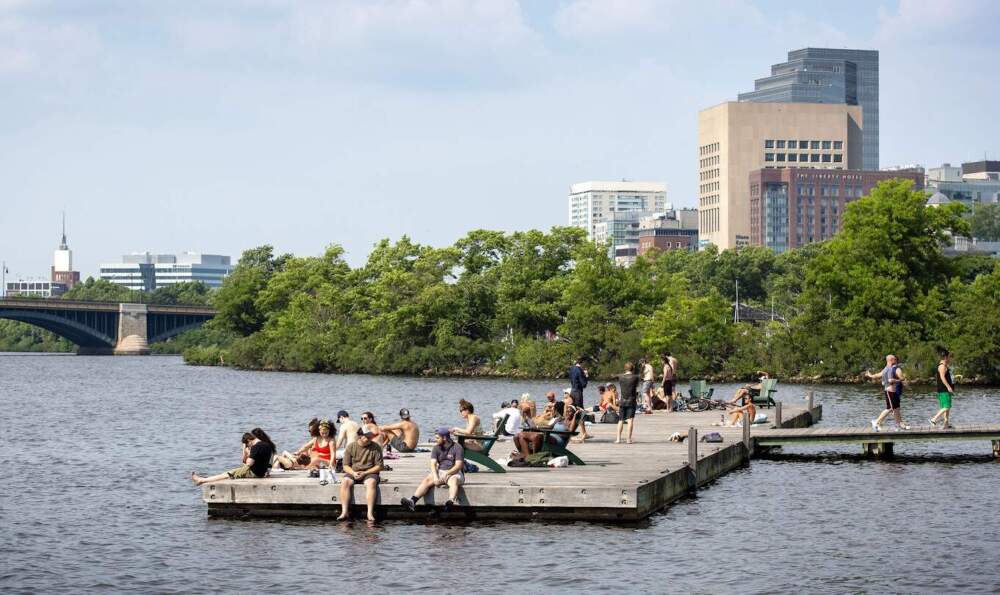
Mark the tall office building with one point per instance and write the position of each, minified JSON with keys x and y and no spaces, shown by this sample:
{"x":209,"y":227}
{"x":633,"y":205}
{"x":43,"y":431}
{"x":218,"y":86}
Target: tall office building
{"x":821,"y":75}
{"x":591,"y":203}
{"x":735,"y":138}
{"x":143,"y":271}
{"x":62,"y":273}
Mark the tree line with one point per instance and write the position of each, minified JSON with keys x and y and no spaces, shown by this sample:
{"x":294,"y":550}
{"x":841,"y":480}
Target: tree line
{"x":527,"y":303}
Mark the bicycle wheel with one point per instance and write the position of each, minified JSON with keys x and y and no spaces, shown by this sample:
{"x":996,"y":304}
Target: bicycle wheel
{"x":698,"y":405}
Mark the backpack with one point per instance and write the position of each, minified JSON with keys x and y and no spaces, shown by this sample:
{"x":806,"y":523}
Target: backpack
{"x":610,"y":416}
{"x":712,"y":437}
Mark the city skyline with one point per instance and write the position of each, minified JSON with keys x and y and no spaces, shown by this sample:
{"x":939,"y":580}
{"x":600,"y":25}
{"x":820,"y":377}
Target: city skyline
{"x":224,"y":126}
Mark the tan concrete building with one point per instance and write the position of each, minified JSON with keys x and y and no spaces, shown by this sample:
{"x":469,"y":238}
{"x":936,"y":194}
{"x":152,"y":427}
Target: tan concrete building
{"x":735,"y":138}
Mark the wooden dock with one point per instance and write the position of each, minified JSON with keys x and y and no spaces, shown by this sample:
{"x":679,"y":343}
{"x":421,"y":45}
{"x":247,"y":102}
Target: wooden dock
{"x":619,"y":483}
{"x":877,"y":443}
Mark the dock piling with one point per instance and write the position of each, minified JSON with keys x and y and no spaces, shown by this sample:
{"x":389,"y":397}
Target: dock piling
{"x":746,"y":431}
{"x":809,"y":402}
{"x":777,"y":414}
{"x":693,"y":456}
{"x":996,"y":448}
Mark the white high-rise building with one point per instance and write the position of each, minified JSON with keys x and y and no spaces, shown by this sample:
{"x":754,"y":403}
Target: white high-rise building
{"x":143,"y":271}
{"x":591,"y":203}
{"x":62,"y":273}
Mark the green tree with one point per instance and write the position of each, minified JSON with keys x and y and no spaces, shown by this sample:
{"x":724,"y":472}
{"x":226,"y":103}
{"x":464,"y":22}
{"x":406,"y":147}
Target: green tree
{"x":193,"y":293}
{"x":102,"y":290}
{"x":236,"y":299}
{"x":984,"y":222}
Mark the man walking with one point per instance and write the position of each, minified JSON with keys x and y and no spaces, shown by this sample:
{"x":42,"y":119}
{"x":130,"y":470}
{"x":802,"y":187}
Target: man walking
{"x":628,"y":383}
{"x":577,"y":382}
{"x":447,"y":462}
{"x":945,"y":390}
{"x":892,"y":387}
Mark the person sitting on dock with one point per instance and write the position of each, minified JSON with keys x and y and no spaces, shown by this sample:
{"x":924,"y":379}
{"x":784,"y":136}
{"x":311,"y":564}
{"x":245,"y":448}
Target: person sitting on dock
{"x":348,"y":430}
{"x":473,"y":425}
{"x":402,"y":435}
{"x":529,"y":442}
{"x":447,"y":463}
{"x":575,"y":419}
{"x":513,"y":414}
{"x":290,"y":462}
{"x":370,"y":426}
{"x":662,"y":402}
{"x":255,"y":466}
{"x":527,"y":404}
{"x":321,"y":449}
{"x":735,"y":416}
{"x":362,"y":463}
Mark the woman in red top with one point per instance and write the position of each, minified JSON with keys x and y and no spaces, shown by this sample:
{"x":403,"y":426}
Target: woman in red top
{"x":321,"y":449}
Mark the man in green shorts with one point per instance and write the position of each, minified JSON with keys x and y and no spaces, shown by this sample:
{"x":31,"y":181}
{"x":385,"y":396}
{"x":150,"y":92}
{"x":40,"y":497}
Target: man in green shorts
{"x":945,"y":390}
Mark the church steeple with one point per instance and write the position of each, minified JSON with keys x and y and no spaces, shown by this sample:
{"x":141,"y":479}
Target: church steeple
{"x":62,"y":245}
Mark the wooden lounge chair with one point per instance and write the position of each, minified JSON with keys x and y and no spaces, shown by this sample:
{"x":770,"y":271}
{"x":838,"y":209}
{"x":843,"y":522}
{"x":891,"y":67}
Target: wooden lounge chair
{"x":700,"y":390}
{"x":559,"y":451}
{"x":768,"y":387}
{"x":487,"y":440}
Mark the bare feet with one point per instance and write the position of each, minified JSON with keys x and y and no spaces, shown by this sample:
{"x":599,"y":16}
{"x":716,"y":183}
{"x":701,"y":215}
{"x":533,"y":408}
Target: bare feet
{"x":618,"y":441}
{"x":342,"y":517}
{"x":196,"y":479}
{"x":629,"y":441}
{"x":371,"y":519}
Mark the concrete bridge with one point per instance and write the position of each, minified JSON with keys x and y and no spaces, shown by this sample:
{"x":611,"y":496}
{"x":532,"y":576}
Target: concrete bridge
{"x":99,"y":328}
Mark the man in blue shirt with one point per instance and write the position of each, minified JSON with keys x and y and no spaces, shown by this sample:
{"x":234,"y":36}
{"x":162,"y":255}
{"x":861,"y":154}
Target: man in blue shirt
{"x":577,"y":382}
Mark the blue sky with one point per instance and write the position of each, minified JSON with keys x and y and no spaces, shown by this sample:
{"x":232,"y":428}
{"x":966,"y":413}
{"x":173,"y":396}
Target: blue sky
{"x":219,"y":125}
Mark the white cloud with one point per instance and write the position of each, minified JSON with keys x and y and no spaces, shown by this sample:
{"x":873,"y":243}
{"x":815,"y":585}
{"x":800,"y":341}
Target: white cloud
{"x":585,"y":18}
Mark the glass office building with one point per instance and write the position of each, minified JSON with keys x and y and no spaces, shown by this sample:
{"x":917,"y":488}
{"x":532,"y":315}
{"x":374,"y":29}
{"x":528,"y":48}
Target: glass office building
{"x":143,"y":271}
{"x":818,"y":75}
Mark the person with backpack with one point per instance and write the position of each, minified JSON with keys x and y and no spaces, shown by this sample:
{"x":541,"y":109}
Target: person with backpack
{"x":892,"y":387}
{"x":627,"y":401}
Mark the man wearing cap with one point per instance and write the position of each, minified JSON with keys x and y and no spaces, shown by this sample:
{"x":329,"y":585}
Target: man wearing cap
{"x":447,"y":462}
{"x":362,"y":463}
{"x":348,"y":430}
{"x":403,"y":435}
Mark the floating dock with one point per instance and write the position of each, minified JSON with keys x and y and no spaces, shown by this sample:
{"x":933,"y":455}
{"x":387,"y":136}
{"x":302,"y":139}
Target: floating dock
{"x":618,"y":483}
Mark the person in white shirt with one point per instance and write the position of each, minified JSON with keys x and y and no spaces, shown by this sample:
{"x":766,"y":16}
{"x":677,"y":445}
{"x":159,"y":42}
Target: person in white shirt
{"x":513,"y":413}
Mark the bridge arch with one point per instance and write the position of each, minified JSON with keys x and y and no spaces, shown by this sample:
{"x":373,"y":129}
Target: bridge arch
{"x":75,"y":332}
{"x":173,"y":332}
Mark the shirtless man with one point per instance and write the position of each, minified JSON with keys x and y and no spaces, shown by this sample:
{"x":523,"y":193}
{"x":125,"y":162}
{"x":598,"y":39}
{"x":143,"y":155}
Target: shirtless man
{"x":736,"y":415}
{"x":403,"y":435}
{"x":348,"y":430}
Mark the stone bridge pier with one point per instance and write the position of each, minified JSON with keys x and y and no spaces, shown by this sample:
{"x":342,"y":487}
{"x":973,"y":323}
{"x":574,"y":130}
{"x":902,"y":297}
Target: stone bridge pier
{"x":132,"y":330}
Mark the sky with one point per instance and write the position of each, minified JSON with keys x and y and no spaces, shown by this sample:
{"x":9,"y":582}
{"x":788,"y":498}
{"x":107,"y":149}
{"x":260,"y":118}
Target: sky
{"x":220,"y":125}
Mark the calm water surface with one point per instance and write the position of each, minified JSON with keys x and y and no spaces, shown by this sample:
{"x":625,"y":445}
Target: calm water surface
{"x":96,"y":498}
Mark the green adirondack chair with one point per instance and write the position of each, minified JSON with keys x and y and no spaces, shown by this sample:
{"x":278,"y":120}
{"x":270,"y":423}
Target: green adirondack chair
{"x":700,"y":390}
{"x":559,"y":451}
{"x":487,"y":440}
{"x":768,"y":387}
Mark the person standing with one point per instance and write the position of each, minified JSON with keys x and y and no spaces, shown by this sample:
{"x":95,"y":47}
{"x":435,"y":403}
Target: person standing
{"x":892,"y":387}
{"x":669,"y":375}
{"x":577,"y":382}
{"x":648,"y":380}
{"x":945,"y":390}
{"x":629,"y":383}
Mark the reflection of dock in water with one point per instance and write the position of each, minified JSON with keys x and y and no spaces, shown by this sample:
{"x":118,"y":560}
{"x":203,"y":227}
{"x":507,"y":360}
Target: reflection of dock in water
{"x":619,"y":482}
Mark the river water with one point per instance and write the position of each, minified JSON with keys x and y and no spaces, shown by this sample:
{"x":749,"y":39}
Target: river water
{"x":96,"y":498}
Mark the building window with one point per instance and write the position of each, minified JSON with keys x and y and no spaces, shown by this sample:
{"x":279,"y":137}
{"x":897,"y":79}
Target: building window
{"x":791,"y":156}
{"x":769,"y":144}
{"x":814,"y":144}
{"x":768,"y":156}
{"x":826,"y":159}
{"x":781,"y":145}
{"x":781,"y":156}
{"x":826,"y":145}
{"x":838,"y":145}
{"x":838,"y":158}
{"x":792,"y":144}
{"x":814,"y":158}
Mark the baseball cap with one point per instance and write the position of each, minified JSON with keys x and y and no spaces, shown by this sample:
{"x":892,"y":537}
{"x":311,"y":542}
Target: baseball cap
{"x":443,"y":432}
{"x":341,"y":414}
{"x":567,"y":391}
{"x":404,"y":413}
